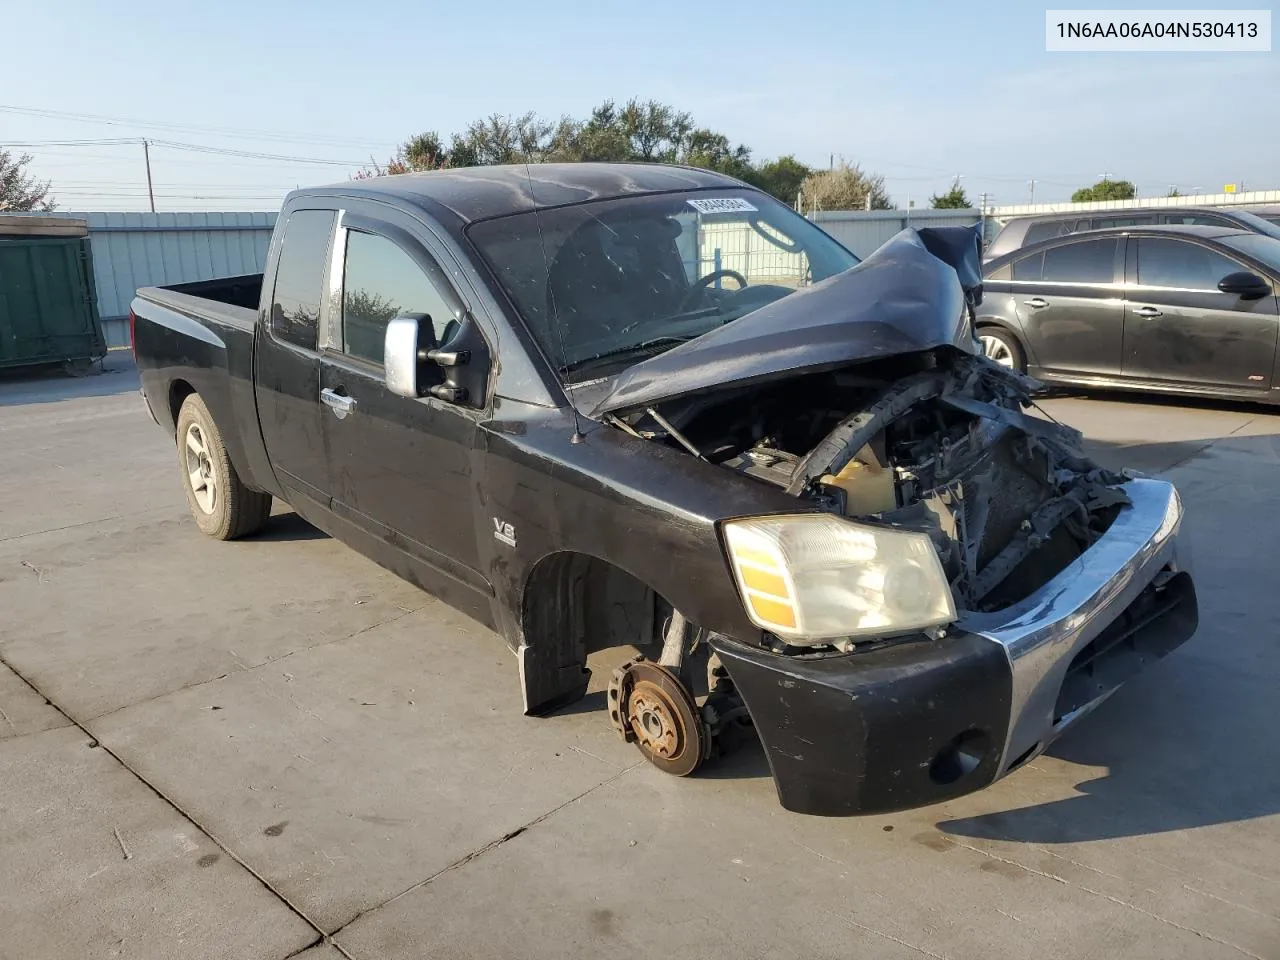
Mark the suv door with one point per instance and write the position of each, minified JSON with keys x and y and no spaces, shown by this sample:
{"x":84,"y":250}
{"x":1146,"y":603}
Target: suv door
{"x":1180,"y":327}
{"x":401,"y":468}
{"x":287,"y":359}
{"x":1070,"y":306}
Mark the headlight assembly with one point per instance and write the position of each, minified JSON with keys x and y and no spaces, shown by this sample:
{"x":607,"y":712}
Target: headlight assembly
{"x":809,"y":578}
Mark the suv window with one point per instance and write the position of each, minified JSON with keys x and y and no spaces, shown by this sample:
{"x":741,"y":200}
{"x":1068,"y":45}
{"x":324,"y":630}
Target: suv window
{"x":1088,"y":261}
{"x":1179,"y":263}
{"x":1102,"y":223}
{"x":1202,"y":219}
{"x":1047,"y":230}
{"x":304,"y":252}
{"x":381,"y":281}
{"x":1028,"y":268}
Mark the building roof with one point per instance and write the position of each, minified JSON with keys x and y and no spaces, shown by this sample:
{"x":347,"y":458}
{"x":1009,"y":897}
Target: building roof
{"x":478,"y":193}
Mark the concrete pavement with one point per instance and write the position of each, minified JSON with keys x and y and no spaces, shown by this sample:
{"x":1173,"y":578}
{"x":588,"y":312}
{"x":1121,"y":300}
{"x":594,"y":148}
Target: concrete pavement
{"x":295,"y":747}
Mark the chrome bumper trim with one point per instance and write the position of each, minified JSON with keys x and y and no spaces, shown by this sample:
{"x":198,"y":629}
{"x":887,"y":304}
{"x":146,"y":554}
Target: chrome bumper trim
{"x":1042,"y":633}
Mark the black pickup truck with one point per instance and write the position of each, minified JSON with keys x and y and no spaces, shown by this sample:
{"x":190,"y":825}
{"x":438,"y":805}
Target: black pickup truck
{"x":602,"y":405}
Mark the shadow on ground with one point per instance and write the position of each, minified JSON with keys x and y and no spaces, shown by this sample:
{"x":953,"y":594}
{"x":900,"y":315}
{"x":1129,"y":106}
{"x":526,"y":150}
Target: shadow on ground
{"x":288,"y":526}
{"x":115,"y":374}
{"x":1190,"y":742}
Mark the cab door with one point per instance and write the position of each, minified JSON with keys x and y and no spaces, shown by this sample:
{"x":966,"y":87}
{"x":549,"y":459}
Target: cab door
{"x":287,"y":357}
{"x":401,"y":468}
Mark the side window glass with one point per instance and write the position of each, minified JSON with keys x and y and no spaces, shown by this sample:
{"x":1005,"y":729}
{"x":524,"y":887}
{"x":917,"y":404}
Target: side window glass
{"x":1179,"y":263}
{"x":304,"y":254}
{"x":1028,"y":268}
{"x":380,"y":281}
{"x":1090,"y":261}
{"x":1045,"y":231}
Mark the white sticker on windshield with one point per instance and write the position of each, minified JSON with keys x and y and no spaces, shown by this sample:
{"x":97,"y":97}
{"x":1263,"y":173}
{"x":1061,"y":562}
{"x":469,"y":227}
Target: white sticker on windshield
{"x":722,"y":205}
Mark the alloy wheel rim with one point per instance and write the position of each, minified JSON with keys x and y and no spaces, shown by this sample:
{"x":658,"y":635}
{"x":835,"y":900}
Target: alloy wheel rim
{"x":997,"y":350}
{"x":200,"y":474}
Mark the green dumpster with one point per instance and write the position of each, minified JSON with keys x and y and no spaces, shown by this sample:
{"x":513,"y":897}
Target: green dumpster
{"x":48,"y":305}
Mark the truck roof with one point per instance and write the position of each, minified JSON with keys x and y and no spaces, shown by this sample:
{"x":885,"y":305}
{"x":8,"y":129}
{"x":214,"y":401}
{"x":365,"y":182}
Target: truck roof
{"x":479,"y":193}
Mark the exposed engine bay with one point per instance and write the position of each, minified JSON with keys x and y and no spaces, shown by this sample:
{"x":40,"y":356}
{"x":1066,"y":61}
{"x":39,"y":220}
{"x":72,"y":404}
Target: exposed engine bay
{"x":935,"y":442}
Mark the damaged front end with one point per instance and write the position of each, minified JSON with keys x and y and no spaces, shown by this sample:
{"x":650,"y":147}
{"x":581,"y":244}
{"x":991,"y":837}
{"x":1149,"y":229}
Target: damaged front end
{"x":958,"y":582}
{"x":941,"y":444}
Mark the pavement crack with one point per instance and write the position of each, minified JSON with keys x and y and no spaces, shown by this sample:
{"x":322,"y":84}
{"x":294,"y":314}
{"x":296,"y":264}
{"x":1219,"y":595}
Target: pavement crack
{"x":169,"y":801}
{"x":491,"y":846}
{"x":40,"y":572}
{"x":1116,"y":900}
{"x":82,"y":523}
{"x":898,"y":940}
{"x":1234,"y":903}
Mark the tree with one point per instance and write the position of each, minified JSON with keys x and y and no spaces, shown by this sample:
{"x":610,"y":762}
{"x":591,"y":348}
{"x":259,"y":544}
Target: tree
{"x":1173,"y":192}
{"x":781,"y":177}
{"x":953,"y":199}
{"x":426,"y":151}
{"x":1105,"y":190}
{"x":18,"y":189}
{"x":712,"y":151}
{"x":844,"y":187}
{"x":645,"y":131}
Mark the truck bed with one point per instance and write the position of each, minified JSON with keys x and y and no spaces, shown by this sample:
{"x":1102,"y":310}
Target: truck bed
{"x":229,"y":300}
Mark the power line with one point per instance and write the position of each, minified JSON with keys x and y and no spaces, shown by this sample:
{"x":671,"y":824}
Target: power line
{"x":228,"y":132}
{"x":189,"y":147}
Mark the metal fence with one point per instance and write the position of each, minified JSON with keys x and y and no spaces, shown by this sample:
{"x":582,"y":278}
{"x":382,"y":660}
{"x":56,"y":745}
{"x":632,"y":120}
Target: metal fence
{"x":132,"y":250}
{"x":863,"y":231}
{"x":734,"y":245}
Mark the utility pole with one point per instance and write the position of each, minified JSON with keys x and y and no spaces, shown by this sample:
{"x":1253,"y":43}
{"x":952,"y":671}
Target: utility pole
{"x":1031,"y":184}
{"x":146,"y":153}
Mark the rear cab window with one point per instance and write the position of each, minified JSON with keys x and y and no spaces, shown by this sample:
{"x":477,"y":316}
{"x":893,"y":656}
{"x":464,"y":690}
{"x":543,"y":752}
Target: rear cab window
{"x":299,"y":286}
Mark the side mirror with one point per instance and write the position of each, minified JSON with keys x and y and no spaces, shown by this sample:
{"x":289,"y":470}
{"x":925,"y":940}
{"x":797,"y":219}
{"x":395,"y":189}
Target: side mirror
{"x":405,"y":344}
{"x":1246,"y":285}
{"x":415,"y":365}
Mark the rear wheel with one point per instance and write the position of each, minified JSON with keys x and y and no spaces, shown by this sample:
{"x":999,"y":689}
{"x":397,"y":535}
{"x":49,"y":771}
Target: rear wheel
{"x":223,"y":507}
{"x":1002,"y":348}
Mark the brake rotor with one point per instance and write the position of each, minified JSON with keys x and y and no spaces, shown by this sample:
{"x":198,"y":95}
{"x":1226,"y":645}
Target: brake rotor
{"x":662,"y":718}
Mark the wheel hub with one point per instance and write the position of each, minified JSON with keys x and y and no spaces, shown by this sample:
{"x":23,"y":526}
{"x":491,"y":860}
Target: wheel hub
{"x":650,"y":707}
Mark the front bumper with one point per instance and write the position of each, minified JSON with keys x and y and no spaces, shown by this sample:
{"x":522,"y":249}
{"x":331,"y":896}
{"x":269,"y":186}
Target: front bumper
{"x":918,"y":722}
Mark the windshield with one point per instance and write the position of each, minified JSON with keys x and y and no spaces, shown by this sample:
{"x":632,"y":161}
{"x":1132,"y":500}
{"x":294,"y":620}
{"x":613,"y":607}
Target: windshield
{"x":1263,"y":249}
{"x":606,"y":284}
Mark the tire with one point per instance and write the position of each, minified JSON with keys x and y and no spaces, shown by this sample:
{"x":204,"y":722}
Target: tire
{"x":78,"y":367}
{"x":223,"y":507}
{"x":1003,"y":348}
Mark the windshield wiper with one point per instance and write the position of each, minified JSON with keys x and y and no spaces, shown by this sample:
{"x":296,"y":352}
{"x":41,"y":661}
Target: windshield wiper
{"x":644,"y":347}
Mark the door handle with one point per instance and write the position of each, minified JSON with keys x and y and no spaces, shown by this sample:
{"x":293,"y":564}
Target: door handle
{"x":1147,"y":312}
{"x":1036,"y":302}
{"x":340,"y":404}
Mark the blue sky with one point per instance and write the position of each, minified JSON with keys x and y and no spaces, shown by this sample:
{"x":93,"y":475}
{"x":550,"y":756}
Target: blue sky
{"x":918,"y":92}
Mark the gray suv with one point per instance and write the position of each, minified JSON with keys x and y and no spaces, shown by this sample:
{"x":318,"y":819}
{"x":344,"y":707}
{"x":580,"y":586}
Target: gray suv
{"x":1021,"y":232}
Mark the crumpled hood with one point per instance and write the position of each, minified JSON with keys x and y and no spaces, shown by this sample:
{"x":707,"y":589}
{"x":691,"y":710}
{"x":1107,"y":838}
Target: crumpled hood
{"x":901,"y":299}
